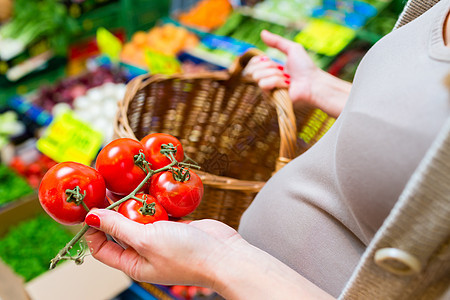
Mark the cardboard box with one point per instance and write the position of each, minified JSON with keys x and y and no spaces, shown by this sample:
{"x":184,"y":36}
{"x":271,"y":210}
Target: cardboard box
{"x":11,"y":285}
{"x":18,"y":211}
{"x":90,"y":281}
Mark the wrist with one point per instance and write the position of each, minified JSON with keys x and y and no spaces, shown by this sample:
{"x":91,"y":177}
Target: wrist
{"x":237,"y":272}
{"x":329,"y":93}
{"x":246,"y":272}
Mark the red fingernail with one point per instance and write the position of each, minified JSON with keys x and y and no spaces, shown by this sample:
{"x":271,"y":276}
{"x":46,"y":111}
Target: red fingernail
{"x":281,"y":68}
{"x":264,"y":58}
{"x":287,"y":75}
{"x":93,"y":221}
{"x":288,"y":82}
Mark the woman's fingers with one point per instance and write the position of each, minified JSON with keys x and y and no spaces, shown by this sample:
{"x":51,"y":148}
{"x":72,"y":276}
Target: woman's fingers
{"x":112,"y":254}
{"x":276,"y":41}
{"x":269,"y":72}
{"x":128,"y":260}
{"x":257,"y":63}
{"x":272,"y":82}
{"x":116,"y":225}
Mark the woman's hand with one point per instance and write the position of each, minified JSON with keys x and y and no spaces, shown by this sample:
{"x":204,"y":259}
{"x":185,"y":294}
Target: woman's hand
{"x":298,"y":74}
{"x":164,"y":252}
{"x":204,"y":253}
{"x":306,"y":82}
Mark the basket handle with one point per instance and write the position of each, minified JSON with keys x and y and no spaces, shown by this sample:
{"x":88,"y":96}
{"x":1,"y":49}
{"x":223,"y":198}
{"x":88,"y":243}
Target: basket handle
{"x":285,"y":111}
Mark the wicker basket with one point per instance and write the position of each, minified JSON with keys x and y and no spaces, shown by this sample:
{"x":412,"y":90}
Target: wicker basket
{"x":237,"y":133}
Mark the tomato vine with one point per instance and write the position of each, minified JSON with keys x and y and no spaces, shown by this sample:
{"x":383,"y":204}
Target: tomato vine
{"x":179,"y":169}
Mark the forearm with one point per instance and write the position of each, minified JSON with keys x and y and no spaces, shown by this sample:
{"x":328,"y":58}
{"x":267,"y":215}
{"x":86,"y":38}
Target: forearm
{"x":330,"y":94}
{"x":250,"y":273}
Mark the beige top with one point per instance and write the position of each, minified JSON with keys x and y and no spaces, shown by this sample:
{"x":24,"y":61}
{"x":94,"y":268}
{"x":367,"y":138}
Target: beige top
{"x":319,"y":213}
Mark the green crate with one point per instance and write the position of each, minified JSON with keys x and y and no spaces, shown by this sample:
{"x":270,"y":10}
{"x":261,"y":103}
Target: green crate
{"x":109,"y":17}
{"x":145,"y":20}
{"x":131,"y":15}
{"x":142,"y":14}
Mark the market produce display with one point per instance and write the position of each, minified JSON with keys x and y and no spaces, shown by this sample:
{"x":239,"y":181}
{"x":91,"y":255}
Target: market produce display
{"x":28,"y":246}
{"x":35,"y":20}
{"x":12,"y":186}
{"x":33,"y":167}
{"x":5,"y":13}
{"x":10,"y":126}
{"x":167,"y":39}
{"x":247,"y":29}
{"x":98,"y":107}
{"x":286,"y":12}
{"x":207,"y":14}
{"x":68,"y":89}
{"x":69,"y":190}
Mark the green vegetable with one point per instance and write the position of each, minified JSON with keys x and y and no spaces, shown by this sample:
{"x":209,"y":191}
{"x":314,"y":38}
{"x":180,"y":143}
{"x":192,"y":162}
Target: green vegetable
{"x":28,"y":247}
{"x":12,"y":186}
{"x":231,"y":24}
{"x":36,"y":20}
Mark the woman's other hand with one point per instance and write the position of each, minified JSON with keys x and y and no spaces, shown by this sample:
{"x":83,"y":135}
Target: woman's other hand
{"x":306,"y":82}
{"x":300,"y":70}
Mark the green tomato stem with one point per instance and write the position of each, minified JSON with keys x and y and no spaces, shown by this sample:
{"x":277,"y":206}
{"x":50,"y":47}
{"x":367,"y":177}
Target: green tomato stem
{"x":76,"y":197}
{"x":68,"y":246}
{"x":85,"y":206}
{"x":137,"y":199}
{"x":187,"y":158}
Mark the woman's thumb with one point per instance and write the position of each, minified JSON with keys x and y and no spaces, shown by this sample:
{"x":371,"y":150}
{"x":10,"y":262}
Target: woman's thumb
{"x":276,"y":41}
{"x":114,"y":224}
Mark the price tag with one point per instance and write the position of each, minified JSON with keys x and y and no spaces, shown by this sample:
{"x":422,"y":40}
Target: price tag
{"x":70,"y":139}
{"x":324,"y":37}
{"x":159,"y":63}
{"x":109,"y":44}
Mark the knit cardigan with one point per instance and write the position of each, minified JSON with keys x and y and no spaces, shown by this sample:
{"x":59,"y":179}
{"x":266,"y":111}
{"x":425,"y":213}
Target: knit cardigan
{"x":409,"y":257}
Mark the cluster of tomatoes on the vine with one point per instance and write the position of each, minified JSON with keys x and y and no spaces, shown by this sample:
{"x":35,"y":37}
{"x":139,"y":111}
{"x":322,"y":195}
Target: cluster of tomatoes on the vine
{"x":145,"y":180}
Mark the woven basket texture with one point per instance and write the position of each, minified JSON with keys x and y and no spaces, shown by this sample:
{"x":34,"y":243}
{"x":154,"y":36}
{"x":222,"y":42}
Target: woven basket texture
{"x":238,"y":134}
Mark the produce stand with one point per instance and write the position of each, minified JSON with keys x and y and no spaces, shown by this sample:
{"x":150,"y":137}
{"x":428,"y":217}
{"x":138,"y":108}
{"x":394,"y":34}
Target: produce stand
{"x":51,"y":97}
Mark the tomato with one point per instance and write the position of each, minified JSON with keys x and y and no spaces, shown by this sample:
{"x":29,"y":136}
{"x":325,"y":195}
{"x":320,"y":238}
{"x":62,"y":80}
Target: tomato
{"x":190,"y":292}
{"x":69,"y":175}
{"x":131,"y":210}
{"x":34,"y":169}
{"x":116,"y":164}
{"x":178,"y":198}
{"x":18,"y":165}
{"x":152,"y":145}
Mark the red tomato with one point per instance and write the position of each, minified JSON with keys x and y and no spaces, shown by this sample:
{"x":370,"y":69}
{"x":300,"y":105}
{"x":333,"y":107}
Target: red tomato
{"x":116,"y":164}
{"x":152,"y":145}
{"x":131,"y":210}
{"x":34,"y":169}
{"x":18,"y":165}
{"x":178,"y":198}
{"x":68,"y":175}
